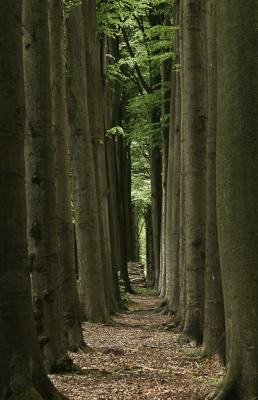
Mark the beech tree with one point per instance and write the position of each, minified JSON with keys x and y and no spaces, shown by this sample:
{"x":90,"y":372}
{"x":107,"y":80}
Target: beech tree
{"x":194,"y":118}
{"x":91,"y":283}
{"x":66,"y":253}
{"x":237,"y":192}
{"x":40,"y":185}
{"x":21,"y":365}
{"x":214,"y":326}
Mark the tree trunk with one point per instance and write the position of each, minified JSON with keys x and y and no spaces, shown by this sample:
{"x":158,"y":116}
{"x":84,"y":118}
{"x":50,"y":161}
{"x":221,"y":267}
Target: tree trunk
{"x":91,"y":285}
{"x":149,"y":247}
{"x":194,"y":113}
{"x":176,"y":159}
{"x":66,"y":254}
{"x":96,"y":111}
{"x":22,"y":371}
{"x":40,"y":184}
{"x":181,"y":311}
{"x":237,"y":192}
{"x":214,"y":326}
{"x":156,"y":199}
{"x":166,"y":77}
{"x":112,"y":119}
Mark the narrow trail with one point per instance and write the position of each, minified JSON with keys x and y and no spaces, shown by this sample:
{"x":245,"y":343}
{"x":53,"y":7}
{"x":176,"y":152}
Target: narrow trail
{"x":138,"y":359}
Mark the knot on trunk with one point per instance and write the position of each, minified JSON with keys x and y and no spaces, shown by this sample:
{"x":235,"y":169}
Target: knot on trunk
{"x":49,"y":295}
{"x":35,"y":231}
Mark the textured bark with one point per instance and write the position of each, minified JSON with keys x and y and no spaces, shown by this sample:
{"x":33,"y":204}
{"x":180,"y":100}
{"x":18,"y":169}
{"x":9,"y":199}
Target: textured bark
{"x":181,"y":311}
{"x":40,"y":183}
{"x":66,"y":254}
{"x":194,"y":114}
{"x":176,"y":158}
{"x":91,"y":285}
{"x":21,"y":366}
{"x":237,"y":192}
{"x":166,"y":77}
{"x":214,"y":326}
{"x":96,"y":112}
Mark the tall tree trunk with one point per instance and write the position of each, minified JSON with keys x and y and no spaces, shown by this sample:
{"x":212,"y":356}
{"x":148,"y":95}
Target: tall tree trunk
{"x":149,"y":247}
{"x":40,"y":184}
{"x":237,"y":192}
{"x":156,"y":197}
{"x":91,"y":285}
{"x":66,"y":254}
{"x":22,"y":371}
{"x":166,"y":77}
{"x":96,"y":111}
{"x":181,"y":311}
{"x":176,"y":160}
{"x":214,"y":326}
{"x":194,"y":114}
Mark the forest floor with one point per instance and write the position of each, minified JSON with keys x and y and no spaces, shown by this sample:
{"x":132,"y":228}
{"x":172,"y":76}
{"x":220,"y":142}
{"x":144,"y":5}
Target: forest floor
{"x":139,"y":359}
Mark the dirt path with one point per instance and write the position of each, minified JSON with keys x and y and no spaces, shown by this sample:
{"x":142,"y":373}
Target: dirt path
{"x":138,"y":360}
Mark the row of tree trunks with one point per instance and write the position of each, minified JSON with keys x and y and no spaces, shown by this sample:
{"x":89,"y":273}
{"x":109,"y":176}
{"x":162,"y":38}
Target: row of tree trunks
{"x":22,"y":371}
{"x":191,"y":231}
{"x":217,"y":173}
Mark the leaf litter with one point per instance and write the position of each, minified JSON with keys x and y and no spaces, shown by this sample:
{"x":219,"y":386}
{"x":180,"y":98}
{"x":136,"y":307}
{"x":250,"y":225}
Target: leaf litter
{"x":139,"y":359}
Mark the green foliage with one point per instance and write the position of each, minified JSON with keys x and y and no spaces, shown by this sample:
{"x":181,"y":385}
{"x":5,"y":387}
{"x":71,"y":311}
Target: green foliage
{"x":123,"y":294}
{"x":145,"y":30}
{"x":69,"y":4}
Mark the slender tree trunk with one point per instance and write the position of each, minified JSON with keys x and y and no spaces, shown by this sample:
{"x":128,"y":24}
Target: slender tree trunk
{"x":91,"y":285}
{"x":237,"y":192}
{"x":149,"y":247}
{"x":166,"y":76}
{"x":156,"y":198}
{"x":66,"y":255}
{"x":168,"y":232}
{"x":176,"y":157}
{"x":195,"y":121}
{"x":181,"y":311}
{"x":22,"y":374}
{"x":40,"y":184}
{"x":214,"y":326}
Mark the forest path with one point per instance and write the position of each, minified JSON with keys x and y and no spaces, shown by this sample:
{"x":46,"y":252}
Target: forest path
{"x":139,"y":360}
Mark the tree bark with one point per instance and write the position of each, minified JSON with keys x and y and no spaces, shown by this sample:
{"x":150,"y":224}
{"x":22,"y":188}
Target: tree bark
{"x":237,"y":192}
{"x":214,"y":325}
{"x":40,"y":184}
{"x":91,"y":285}
{"x":194,"y":113}
{"x":175,"y":293}
{"x":22,"y":373}
{"x":66,"y":254}
{"x":96,"y":111}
